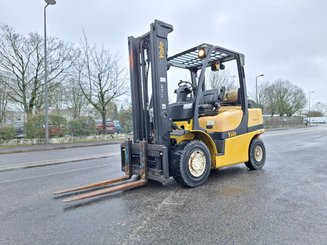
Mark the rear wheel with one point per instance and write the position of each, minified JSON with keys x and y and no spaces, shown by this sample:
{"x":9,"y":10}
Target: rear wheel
{"x":257,"y":155}
{"x":191,"y":163}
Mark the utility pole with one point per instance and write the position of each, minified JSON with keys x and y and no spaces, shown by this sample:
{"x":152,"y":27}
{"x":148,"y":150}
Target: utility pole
{"x":46,"y":99}
{"x":311,"y":92}
{"x":256,"y":87}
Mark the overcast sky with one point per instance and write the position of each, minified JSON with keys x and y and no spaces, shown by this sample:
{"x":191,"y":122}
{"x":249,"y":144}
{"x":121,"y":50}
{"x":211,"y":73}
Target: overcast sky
{"x":282,"y":39}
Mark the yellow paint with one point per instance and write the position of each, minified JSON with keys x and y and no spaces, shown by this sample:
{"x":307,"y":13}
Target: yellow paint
{"x":255,"y":117}
{"x":161,"y":50}
{"x":200,"y":135}
{"x":184,"y":137}
{"x":227,"y":119}
{"x":236,"y":150}
{"x":184,"y":124}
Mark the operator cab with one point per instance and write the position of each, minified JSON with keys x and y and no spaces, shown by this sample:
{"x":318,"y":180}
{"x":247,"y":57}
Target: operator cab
{"x":205,"y":92}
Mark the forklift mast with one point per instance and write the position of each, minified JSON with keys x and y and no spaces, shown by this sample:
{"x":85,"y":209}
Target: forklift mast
{"x":148,"y":53}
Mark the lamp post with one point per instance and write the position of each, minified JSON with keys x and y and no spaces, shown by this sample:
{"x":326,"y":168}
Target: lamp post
{"x":256,"y":87}
{"x":311,"y":92}
{"x":313,"y":104}
{"x":46,"y":104}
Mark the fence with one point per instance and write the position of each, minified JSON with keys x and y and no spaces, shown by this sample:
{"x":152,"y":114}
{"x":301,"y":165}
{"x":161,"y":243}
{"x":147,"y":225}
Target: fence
{"x":283,"y":122}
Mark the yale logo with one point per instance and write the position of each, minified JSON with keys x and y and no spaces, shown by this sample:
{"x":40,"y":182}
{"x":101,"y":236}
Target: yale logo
{"x":231,"y":134}
{"x":161,"y":50}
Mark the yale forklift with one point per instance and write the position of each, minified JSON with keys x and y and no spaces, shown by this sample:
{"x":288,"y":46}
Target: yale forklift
{"x":203,"y":129}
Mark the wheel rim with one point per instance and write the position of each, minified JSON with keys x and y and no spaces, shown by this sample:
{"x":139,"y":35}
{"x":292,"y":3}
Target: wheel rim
{"x":258,"y":153}
{"x":197,"y":163}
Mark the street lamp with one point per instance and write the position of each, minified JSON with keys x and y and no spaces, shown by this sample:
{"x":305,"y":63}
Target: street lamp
{"x":313,"y":104}
{"x":256,"y":87}
{"x":311,"y":92}
{"x":48,"y":2}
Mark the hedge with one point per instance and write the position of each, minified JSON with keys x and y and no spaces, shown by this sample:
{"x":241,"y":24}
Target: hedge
{"x":7,"y":132}
{"x":35,"y":126}
{"x":83,"y":126}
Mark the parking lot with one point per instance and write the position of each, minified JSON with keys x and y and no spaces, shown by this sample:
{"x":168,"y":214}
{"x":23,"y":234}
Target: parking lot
{"x":285,"y":203}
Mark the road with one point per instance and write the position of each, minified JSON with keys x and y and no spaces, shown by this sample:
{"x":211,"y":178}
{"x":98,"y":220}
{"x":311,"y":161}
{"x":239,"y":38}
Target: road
{"x":24,"y":157}
{"x":285,"y":203}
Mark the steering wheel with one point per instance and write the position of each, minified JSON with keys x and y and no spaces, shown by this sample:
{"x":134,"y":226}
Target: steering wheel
{"x":186,"y":84}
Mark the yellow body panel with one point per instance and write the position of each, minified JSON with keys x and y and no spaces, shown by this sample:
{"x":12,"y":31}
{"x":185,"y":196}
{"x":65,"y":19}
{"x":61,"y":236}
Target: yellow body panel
{"x":236,"y":150}
{"x":184,"y":124}
{"x":255,"y":117}
{"x":228,"y":119}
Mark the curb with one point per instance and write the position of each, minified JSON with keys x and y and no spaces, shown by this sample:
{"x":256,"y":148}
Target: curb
{"x":54,"y":161}
{"x":55,"y":147}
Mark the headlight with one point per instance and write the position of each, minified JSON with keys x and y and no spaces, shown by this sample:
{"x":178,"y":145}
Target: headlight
{"x":202,"y":53}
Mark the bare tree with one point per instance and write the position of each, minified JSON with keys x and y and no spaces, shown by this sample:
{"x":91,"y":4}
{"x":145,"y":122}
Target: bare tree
{"x":289,"y":97}
{"x":3,"y":99}
{"x":319,"y":109}
{"x":101,"y":78}
{"x":281,"y":97}
{"x":296,"y":101}
{"x":314,"y":113}
{"x":267,"y":98}
{"x":270,"y":101}
{"x":74,"y":98}
{"x":220,"y":78}
{"x":23,"y":58}
{"x":112,"y":110}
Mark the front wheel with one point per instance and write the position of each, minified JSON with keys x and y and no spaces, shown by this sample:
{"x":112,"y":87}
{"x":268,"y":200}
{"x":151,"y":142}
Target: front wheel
{"x":257,"y":155}
{"x":192,"y":163}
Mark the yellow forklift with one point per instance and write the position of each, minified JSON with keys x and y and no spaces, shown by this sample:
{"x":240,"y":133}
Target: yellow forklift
{"x":203,"y":129}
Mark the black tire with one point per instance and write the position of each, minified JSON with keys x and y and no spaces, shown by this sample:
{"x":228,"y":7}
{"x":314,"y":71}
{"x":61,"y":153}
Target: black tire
{"x":187,"y":173}
{"x":257,"y":155}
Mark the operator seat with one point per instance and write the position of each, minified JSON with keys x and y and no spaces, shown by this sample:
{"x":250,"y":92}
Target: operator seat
{"x":182,"y":109}
{"x":209,"y":102}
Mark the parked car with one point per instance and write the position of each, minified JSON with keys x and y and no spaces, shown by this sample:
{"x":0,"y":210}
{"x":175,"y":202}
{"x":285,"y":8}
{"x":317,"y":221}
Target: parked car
{"x":55,"y":132}
{"x":110,"y":127}
{"x":19,"y":128}
{"x":118,"y":128}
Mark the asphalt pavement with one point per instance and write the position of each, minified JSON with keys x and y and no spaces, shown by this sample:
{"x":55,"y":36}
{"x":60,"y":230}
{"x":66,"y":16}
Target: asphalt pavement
{"x":58,"y":154}
{"x":285,"y":203}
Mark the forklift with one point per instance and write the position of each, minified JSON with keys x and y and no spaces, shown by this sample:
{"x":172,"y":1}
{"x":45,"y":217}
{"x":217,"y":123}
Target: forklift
{"x":203,"y":129}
